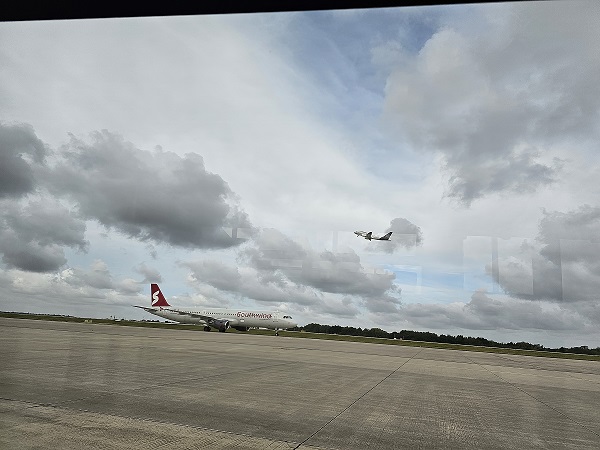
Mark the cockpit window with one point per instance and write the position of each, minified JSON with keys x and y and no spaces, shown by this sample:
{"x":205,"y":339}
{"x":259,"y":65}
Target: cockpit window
{"x":287,"y":317}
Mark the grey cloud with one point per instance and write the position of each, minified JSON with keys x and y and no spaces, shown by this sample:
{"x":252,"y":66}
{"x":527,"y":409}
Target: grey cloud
{"x":67,"y":291}
{"x":19,"y":150}
{"x":249,"y":284}
{"x":529,"y":275}
{"x":570,"y":245}
{"x":290,"y":293}
{"x":519,"y":315}
{"x":217,"y":274}
{"x":483,"y":312}
{"x":344,"y":308}
{"x":97,"y":280}
{"x":406,"y":235}
{"x":31,"y":256}
{"x":271,"y":249}
{"x":128,"y":286}
{"x":98,"y":276}
{"x":150,"y":275}
{"x":152,"y":250}
{"x":275,"y":268}
{"x":327,"y":272}
{"x":153,"y":196}
{"x":517,"y":172}
{"x":492,"y":103}
{"x":32,"y":235}
{"x":563,"y":263}
{"x":384,"y":304}
{"x":330,"y":274}
{"x":582,"y":224}
{"x":47,"y":222}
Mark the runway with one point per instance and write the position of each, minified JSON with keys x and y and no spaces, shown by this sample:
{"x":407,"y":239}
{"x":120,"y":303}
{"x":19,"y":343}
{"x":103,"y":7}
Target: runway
{"x":71,"y":386}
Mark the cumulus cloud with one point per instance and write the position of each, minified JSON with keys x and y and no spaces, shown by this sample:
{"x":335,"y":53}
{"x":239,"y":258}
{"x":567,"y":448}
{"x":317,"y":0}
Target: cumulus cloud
{"x":153,"y":196}
{"x":338,"y":273}
{"x":20,"y":149}
{"x":275,"y":268}
{"x":31,"y":256}
{"x":33,"y":228}
{"x":69,"y":291}
{"x":248,"y":283}
{"x":98,"y":276}
{"x":484,"y":312}
{"x":98,"y":281}
{"x":405,"y":235}
{"x":561,"y":265}
{"x":33,"y":234}
{"x":150,"y":274}
{"x":492,"y":106}
{"x":217,"y":274}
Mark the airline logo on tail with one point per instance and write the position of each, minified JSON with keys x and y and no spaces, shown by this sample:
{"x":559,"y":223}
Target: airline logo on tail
{"x":158,"y":299}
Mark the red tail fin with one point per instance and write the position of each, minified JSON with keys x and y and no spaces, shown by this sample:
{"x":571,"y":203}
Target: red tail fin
{"x":158,"y":299}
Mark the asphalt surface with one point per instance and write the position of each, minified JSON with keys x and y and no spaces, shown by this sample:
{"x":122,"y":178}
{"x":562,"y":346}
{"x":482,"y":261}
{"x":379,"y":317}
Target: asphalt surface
{"x":72,"y":386}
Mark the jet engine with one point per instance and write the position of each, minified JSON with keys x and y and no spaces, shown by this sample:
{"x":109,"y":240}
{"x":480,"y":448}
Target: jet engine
{"x":220,"y":325}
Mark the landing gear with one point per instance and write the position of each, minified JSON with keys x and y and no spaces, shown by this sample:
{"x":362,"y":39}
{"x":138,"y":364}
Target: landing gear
{"x":206,"y":328}
{"x":276,"y":332}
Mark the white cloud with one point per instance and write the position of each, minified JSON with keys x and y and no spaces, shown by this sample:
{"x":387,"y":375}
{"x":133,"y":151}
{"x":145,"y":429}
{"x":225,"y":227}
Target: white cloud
{"x":491,"y":103}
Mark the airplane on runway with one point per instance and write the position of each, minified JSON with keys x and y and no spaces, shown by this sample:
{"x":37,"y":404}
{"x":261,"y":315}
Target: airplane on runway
{"x":218,"y":318}
{"x":369,"y":236}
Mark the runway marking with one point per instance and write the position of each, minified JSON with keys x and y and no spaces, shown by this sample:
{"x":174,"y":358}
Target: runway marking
{"x":355,"y":401}
{"x":534,"y":397}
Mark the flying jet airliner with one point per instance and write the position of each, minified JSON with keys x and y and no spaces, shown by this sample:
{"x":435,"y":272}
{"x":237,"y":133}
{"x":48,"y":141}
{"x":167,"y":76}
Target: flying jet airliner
{"x":369,"y":236}
{"x":218,"y":318}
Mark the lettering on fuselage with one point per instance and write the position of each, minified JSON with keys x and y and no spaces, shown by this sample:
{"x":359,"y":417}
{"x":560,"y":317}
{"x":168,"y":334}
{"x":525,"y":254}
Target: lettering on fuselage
{"x":255,"y":315}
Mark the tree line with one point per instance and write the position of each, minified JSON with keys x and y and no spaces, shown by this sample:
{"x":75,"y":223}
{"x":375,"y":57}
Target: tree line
{"x":427,"y":336}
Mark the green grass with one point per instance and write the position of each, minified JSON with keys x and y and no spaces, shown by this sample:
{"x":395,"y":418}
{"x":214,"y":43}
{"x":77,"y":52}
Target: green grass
{"x":307,"y":335}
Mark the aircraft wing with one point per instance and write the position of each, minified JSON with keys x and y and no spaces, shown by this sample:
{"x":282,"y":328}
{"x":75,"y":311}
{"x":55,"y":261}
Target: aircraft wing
{"x":181,"y":313}
{"x":144,"y":308}
{"x":208,"y":319}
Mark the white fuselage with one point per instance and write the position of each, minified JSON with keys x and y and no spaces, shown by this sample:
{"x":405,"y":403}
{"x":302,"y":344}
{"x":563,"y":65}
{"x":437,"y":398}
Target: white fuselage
{"x":235,"y":317}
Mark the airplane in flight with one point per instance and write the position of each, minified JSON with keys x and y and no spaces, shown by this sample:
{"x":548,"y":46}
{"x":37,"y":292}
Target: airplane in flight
{"x":369,"y":236}
{"x":218,"y":318}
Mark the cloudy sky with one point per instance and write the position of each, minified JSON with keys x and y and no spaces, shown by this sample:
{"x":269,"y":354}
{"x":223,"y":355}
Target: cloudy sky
{"x":230,"y":158}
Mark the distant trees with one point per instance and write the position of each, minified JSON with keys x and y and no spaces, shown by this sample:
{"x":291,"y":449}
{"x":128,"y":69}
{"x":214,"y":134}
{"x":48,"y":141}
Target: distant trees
{"x":427,"y":336}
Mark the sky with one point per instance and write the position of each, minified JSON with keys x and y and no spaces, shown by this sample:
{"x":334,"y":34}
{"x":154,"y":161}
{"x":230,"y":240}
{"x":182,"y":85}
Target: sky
{"x":229,"y":158}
